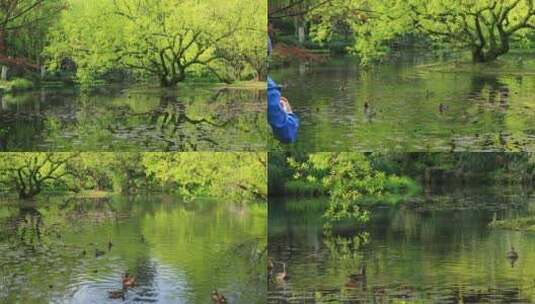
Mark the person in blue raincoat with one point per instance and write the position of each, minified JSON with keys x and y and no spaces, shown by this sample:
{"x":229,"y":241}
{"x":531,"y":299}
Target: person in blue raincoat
{"x":283,"y":121}
{"x":281,"y":118}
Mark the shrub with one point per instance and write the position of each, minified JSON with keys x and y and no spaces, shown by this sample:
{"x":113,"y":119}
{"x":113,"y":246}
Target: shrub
{"x":17,"y":84}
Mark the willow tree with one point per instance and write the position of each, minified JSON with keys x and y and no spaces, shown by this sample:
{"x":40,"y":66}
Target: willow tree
{"x":485,"y":27}
{"x":165,"y":39}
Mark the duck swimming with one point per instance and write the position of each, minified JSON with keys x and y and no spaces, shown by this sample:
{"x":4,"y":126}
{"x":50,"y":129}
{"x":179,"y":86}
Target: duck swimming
{"x":356,"y":278}
{"x":116,"y":294}
{"x":282,"y":276}
{"x":512,"y":254}
{"x":128,"y":281}
{"x":270,"y":264}
{"x":99,"y":252}
{"x":368,"y":112}
{"x":218,"y":298}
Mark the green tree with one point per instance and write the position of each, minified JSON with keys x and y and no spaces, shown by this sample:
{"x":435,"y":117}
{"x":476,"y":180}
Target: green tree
{"x":23,"y":25}
{"x":485,"y":27}
{"x":108,"y":171}
{"x":230,"y":175}
{"x":29,"y":173}
{"x":164,"y":39}
{"x":235,"y":176}
{"x":348,"y":176}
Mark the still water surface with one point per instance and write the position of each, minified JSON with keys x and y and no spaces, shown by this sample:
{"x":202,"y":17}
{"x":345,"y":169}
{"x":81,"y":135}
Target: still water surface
{"x":427,"y":255}
{"x":411,"y":107}
{"x":179,"y":252}
{"x":200,"y":118}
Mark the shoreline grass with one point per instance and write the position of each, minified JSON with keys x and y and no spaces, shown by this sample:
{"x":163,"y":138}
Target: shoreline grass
{"x":526,"y":223}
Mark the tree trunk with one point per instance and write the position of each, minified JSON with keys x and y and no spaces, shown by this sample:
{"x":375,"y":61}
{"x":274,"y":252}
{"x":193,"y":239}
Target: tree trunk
{"x":3,"y":73}
{"x":26,"y":195}
{"x":43,"y":72}
{"x":479,"y":55}
{"x":164,"y":82}
{"x":301,"y":32}
{"x":29,"y":191}
{"x":2,"y":42}
{"x":171,"y":81}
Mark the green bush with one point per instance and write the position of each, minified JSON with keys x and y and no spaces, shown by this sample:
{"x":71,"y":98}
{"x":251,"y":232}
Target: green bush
{"x":17,"y":84}
{"x":304,"y":188}
{"x":521,"y":223}
{"x":401,"y":184}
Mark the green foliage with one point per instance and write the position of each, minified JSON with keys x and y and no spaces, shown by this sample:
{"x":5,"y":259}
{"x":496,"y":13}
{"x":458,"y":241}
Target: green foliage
{"x":24,"y":26}
{"x":522,"y":223}
{"x":304,"y":188}
{"x":17,"y":84}
{"x":485,"y":28}
{"x":30,"y":173}
{"x":285,"y":174}
{"x":236,"y":176}
{"x":376,"y":178}
{"x":167,"y":40}
{"x":401,"y":184}
{"x":348,"y":177}
{"x":21,"y":84}
{"x":476,"y":168}
{"x":355,"y":182}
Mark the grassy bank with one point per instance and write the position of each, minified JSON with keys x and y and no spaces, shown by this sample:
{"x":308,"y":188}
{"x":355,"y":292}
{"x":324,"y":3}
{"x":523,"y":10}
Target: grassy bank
{"x":526,"y":223}
{"x":516,"y":62}
{"x":246,"y":85}
{"x":16,"y":85}
{"x":23,"y":85}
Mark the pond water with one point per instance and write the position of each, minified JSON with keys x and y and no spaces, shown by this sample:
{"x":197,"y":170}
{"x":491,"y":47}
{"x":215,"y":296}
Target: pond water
{"x":437,"y":255}
{"x":412,"y":108}
{"x":135,"y":119}
{"x":179,"y":252}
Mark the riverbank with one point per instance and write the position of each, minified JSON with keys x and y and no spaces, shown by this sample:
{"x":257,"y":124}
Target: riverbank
{"x":515,"y":63}
{"x":422,"y":198}
{"x":12,"y":198}
{"x":526,"y":223}
{"x":499,"y":67}
{"x":16,"y":85}
{"x":21,"y":85}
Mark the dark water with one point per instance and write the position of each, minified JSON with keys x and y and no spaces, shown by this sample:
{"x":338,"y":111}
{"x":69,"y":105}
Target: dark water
{"x":179,"y":252}
{"x":411,"y":256}
{"x":135,"y":119}
{"x":484,"y":109}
